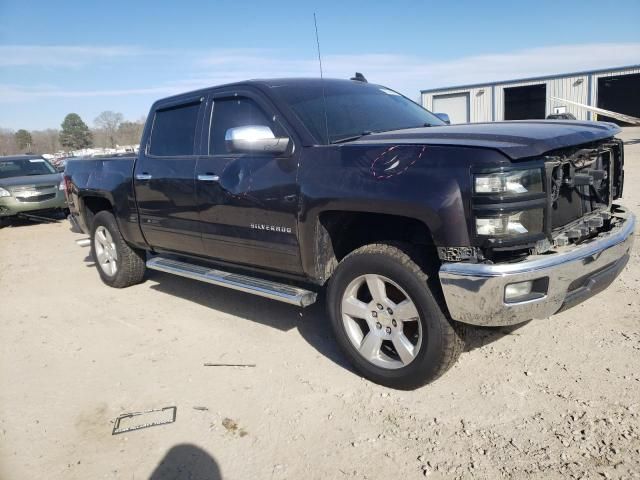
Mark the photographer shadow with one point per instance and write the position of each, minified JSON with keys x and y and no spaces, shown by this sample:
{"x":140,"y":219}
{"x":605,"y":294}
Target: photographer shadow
{"x":186,"y":461}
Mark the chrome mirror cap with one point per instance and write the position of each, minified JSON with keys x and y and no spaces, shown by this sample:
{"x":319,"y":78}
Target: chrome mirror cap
{"x":254,"y":139}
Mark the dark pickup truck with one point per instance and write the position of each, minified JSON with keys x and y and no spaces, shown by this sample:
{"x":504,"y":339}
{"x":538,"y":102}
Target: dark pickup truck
{"x":281,"y":188}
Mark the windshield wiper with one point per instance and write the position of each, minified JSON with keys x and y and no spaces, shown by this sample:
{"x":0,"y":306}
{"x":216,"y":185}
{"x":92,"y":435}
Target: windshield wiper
{"x":351,"y":138}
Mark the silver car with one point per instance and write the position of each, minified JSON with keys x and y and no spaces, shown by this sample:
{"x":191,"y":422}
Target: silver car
{"x":29,"y":184}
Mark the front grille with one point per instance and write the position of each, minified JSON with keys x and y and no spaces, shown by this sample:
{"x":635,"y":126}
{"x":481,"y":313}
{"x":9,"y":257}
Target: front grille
{"x":31,"y":188}
{"x":36,"y":198}
{"x":34,"y":193}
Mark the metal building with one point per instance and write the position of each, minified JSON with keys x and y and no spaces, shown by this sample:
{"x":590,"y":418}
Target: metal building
{"x":615,"y":89}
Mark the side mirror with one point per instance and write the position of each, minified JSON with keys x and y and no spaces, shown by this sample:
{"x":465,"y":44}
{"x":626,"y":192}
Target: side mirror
{"x":254,"y":139}
{"x":444,"y":117}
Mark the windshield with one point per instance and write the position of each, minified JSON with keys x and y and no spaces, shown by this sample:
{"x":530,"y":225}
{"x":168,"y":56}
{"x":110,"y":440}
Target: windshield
{"x":353,"y":109}
{"x":23,"y":167}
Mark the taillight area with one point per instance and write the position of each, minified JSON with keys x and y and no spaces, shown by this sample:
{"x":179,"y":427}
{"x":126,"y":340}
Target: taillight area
{"x":65,"y":185}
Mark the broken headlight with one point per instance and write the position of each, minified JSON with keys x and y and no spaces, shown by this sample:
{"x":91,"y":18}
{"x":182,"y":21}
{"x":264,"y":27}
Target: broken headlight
{"x":513,"y":182}
{"x":510,"y":224}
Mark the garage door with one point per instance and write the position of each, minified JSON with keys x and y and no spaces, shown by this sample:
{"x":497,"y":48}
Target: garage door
{"x":456,"y":105}
{"x":619,"y":94}
{"x":524,"y":103}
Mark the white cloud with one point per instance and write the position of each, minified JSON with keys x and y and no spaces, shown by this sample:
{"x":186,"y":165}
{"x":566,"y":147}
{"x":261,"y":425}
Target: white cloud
{"x":409,"y":74}
{"x":405,"y":73}
{"x":17,"y":94}
{"x":64,"y":55}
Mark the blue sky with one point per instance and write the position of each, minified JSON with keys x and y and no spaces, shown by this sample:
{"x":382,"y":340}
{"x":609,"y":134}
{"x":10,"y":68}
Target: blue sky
{"x":86,"y":57}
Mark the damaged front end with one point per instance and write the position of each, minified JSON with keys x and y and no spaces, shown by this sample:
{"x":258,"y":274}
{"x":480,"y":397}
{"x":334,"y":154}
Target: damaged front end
{"x":537,"y":206}
{"x":582,"y":186}
{"x":544,"y":242}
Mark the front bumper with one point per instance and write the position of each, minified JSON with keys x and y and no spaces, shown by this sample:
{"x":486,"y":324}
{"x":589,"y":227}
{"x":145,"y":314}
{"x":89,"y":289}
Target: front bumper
{"x":10,"y":206}
{"x":475,"y":293}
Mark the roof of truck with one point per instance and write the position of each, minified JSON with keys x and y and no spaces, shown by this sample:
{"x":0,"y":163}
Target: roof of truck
{"x":312,"y":82}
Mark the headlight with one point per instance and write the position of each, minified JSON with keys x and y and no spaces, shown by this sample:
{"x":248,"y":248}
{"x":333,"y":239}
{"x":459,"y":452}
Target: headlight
{"x":510,"y":224}
{"x":513,"y":182}
{"x":4,"y":193}
{"x":62,"y":185}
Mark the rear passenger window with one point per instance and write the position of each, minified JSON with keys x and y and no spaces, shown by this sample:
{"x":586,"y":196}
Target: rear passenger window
{"x":174,"y":130}
{"x":235,"y":112}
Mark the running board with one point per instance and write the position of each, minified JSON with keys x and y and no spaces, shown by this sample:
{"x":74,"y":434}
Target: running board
{"x":257,"y":286}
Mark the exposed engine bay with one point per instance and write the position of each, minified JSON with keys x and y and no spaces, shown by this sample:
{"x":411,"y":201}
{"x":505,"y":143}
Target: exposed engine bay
{"x":582,"y":186}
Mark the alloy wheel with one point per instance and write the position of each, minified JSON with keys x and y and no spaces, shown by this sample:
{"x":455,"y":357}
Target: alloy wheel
{"x":381,"y":321}
{"x":105,"y":248}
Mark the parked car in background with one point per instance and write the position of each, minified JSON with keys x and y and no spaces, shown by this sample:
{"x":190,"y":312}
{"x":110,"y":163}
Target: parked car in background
{"x":59,"y":163}
{"x":29,"y":184}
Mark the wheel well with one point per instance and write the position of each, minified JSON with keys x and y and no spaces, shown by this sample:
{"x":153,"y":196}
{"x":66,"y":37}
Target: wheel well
{"x":93,"y":205}
{"x":340,"y":233}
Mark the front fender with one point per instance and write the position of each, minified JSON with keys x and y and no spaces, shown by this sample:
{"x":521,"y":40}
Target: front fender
{"x":430,"y":184}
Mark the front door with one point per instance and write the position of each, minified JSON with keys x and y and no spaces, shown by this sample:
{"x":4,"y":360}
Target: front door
{"x":248,"y":203}
{"x":164,"y":179}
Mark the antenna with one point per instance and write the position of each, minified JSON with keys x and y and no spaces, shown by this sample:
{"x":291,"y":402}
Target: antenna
{"x":324,"y":98}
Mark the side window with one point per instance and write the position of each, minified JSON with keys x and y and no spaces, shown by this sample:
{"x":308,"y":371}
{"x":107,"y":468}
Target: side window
{"x":235,"y":112}
{"x":174,"y":130}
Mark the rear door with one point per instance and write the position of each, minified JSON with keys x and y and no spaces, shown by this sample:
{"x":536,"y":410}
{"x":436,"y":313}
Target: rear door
{"x":164,"y":177}
{"x":248,"y":202}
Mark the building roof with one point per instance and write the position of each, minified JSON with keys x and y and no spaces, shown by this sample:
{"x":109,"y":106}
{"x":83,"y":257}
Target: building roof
{"x":529,"y":79}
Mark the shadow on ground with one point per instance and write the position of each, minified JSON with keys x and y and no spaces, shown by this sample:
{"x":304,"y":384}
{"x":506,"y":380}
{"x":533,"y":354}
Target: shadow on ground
{"x":478,"y":337}
{"x":632,"y":142}
{"x":312,"y":322}
{"x":186,"y":461}
{"x":25,"y":220}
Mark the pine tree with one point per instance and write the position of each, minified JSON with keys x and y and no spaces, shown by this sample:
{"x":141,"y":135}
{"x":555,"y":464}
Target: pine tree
{"x":23,"y":139}
{"x":75,"y":134}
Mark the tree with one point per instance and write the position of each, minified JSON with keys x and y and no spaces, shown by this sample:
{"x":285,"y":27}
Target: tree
{"x":7,"y":142}
{"x":129,"y":133}
{"x":109,"y":122}
{"x":46,"y":141}
{"x":75,"y":134}
{"x":23,"y":139}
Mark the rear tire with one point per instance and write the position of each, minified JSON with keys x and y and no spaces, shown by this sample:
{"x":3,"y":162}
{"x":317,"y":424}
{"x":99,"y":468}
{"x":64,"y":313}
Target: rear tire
{"x":387,"y":319}
{"x":118,"y":264}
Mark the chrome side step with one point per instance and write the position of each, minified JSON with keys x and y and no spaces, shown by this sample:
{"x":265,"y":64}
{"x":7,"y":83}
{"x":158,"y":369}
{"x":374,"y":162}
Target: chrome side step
{"x":257,"y":286}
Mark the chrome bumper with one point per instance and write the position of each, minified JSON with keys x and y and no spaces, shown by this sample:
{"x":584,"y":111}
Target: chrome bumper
{"x":475,"y":292}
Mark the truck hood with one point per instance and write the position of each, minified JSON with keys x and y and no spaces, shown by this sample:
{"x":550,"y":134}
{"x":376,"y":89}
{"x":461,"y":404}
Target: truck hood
{"x":35,"y":180}
{"x":516,"y":139}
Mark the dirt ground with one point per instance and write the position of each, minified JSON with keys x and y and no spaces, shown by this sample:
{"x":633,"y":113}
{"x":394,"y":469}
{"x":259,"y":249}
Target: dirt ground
{"x":555,"y":398}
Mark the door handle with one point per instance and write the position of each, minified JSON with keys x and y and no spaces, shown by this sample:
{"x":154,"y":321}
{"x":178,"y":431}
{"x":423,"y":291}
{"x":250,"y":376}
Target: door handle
{"x":143,"y":176}
{"x":208,"y":178}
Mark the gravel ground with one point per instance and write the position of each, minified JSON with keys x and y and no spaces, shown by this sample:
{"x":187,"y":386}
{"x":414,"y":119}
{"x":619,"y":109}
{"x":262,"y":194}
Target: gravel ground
{"x":555,"y":398}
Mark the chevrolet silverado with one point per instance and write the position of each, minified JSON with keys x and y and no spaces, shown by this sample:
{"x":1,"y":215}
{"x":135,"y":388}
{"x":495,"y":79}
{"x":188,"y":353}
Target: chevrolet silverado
{"x":282,"y":188}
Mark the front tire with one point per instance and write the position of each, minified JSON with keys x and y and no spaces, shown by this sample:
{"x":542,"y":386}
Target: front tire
{"x":388,"y":321}
{"x":118,"y":264}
